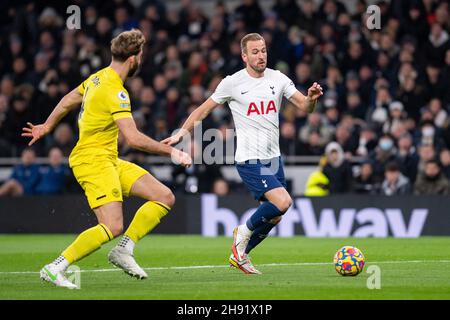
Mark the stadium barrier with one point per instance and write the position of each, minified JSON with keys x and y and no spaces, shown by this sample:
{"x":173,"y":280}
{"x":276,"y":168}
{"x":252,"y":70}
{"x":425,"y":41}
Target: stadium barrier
{"x":209,"y":215}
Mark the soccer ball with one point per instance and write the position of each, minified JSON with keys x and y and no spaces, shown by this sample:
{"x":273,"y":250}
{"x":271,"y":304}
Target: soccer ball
{"x":349,"y":261}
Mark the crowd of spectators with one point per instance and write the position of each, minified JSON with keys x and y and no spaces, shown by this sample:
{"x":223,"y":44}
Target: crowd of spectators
{"x":386,"y":97}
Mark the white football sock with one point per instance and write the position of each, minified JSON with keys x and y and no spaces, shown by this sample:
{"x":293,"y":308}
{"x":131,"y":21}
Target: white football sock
{"x":61,"y":264}
{"x":127,"y":243}
{"x":245,"y":230}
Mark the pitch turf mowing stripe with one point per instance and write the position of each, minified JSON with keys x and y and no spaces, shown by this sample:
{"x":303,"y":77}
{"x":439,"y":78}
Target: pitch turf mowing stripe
{"x":226,"y":266}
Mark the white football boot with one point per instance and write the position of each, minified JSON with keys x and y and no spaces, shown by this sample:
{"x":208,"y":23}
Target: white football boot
{"x":51,"y":274}
{"x":240,"y":241}
{"x":245,"y":265}
{"x":122,"y":259}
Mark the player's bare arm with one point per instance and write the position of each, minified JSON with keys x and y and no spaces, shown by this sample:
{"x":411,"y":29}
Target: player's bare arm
{"x":68,"y":103}
{"x":307,"y":103}
{"x":140,"y":141}
{"x":198,"y":115}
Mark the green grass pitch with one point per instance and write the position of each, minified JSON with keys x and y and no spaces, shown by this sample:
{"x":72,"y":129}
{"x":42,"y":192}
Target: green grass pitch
{"x":193,"y":267}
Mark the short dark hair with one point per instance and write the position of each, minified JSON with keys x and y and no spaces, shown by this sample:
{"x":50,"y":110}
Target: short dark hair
{"x":392,"y":166}
{"x":433,"y":161}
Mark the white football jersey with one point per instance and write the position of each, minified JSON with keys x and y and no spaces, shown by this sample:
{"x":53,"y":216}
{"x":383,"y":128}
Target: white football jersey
{"x":255,"y":104}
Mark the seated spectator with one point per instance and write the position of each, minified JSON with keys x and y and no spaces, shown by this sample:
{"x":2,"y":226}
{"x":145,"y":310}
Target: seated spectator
{"x":196,"y":73}
{"x":52,"y":178}
{"x":407,"y":157}
{"x":354,"y":105}
{"x":444,"y":158}
{"x":315,"y":124}
{"x":288,"y":143}
{"x":428,"y":134}
{"x":440,"y":115}
{"x":344,"y":137}
{"x":24,"y":178}
{"x":395,"y":183}
{"x":432,"y":180}
{"x":366,"y":182}
{"x":63,"y":139}
{"x":337,"y":169}
{"x":396,"y":115}
{"x":426,"y":152}
{"x":16,"y":118}
{"x":221,"y":187}
{"x":383,"y":153}
{"x":331,"y":114}
{"x":377,"y":115}
{"x":438,"y":42}
{"x":367,"y":141}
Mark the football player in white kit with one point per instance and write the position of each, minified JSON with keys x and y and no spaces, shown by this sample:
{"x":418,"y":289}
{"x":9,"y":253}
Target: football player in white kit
{"x":254,"y":95}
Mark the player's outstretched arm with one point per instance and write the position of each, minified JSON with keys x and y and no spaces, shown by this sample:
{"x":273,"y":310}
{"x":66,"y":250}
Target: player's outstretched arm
{"x":140,"y":141}
{"x":196,"y":116}
{"x":307,"y":103}
{"x":69,"y":102}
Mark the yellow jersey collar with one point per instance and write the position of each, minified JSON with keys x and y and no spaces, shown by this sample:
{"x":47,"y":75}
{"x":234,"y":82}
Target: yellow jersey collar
{"x":114,"y":74}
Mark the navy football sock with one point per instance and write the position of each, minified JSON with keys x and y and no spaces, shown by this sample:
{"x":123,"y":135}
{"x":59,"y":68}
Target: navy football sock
{"x":265,"y":212}
{"x":258,"y":235}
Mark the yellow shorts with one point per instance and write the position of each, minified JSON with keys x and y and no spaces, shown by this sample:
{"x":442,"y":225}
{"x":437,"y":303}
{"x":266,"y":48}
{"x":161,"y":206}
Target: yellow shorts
{"x":106,"y":180}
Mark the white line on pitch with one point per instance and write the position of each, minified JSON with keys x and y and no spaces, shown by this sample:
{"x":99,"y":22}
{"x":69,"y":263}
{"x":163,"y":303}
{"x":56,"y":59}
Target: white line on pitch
{"x":226,"y":266}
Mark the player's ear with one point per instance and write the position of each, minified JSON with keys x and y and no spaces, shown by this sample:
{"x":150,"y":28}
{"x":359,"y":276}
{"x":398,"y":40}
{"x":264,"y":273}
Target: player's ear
{"x":132,"y":60}
{"x":244,"y":57}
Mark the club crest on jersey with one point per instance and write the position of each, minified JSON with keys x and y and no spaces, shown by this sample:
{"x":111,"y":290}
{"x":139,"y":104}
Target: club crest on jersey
{"x":95,"y":80}
{"x":272,"y":88}
{"x":122,"y":95}
{"x":263,"y":109}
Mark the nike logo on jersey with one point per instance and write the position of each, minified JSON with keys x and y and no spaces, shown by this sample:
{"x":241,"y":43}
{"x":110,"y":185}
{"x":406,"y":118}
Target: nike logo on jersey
{"x":244,"y":92}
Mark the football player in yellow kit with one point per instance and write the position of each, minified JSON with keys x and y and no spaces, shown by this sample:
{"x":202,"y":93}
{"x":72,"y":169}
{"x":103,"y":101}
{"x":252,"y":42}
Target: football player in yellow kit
{"x":105,"y":179}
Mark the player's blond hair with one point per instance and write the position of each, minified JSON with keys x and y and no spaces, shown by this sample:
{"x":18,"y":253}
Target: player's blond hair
{"x":127,"y":44}
{"x":249,"y":37}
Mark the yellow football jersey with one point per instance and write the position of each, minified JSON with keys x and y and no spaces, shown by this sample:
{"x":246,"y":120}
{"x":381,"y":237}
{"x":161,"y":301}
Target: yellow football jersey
{"x":104,"y":101}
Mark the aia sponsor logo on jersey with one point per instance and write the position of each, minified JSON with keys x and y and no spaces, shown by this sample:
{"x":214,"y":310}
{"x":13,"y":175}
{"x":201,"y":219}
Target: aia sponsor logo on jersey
{"x":262,"y":108}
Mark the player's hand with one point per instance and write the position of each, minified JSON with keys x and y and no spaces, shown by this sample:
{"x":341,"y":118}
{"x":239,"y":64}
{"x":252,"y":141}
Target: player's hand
{"x":170,"y":141}
{"x":35,"y":132}
{"x":181,"y":158}
{"x":315,"y":91}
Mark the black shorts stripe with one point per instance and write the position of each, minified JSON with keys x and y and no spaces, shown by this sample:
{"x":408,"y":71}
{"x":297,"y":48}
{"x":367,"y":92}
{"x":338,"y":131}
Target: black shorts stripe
{"x":106,"y":231}
{"x":101,"y":197}
{"x":121,"y":111}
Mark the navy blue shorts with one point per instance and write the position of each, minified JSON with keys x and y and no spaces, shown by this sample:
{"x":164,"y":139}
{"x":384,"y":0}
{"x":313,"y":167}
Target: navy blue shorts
{"x":261,"y":176}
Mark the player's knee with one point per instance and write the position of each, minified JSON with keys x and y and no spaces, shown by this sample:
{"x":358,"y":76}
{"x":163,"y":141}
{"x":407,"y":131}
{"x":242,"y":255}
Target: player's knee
{"x":284,"y":203}
{"x":116,"y":228}
{"x":168,"y":198}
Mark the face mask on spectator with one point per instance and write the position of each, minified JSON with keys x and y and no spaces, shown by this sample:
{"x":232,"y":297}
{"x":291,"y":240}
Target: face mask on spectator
{"x":386,"y":144}
{"x":428,"y":131}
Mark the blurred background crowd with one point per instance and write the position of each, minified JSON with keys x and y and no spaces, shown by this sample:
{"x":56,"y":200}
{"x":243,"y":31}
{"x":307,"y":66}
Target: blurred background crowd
{"x":386,"y":100}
